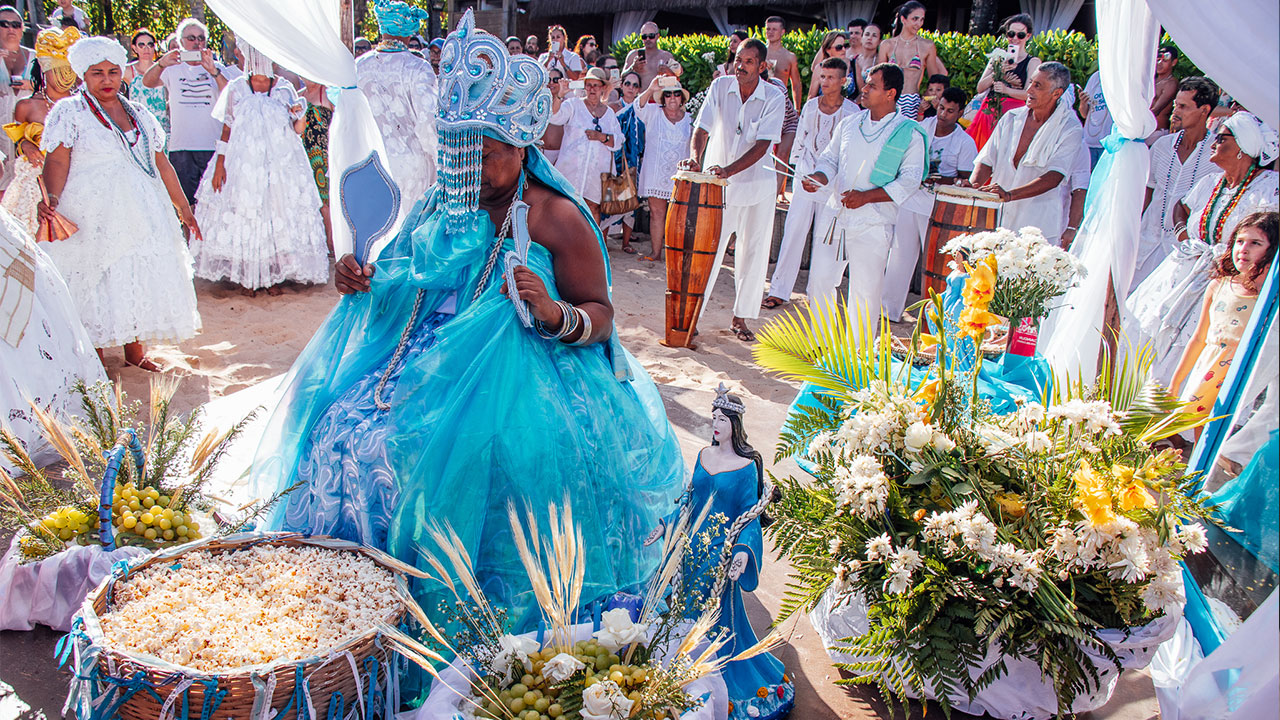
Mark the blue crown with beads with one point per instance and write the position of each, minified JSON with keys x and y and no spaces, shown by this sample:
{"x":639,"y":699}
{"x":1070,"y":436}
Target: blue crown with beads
{"x":483,"y":87}
{"x":397,"y":18}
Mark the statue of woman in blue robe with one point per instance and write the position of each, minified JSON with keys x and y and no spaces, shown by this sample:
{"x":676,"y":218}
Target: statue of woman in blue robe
{"x":426,"y":397}
{"x":730,"y":475}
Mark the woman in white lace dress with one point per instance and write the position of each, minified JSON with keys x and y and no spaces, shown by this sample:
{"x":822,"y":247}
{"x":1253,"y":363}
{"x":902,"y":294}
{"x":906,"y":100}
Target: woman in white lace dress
{"x":44,"y":349}
{"x":591,"y":136}
{"x":127,"y":266}
{"x":667,"y":128}
{"x":257,"y":203}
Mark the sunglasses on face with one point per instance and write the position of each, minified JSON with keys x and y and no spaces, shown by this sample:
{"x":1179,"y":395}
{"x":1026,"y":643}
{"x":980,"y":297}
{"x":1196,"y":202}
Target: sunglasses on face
{"x":838,"y":48}
{"x":1222,"y":137}
{"x":649,"y":36}
{"x":631,"y":84}
{"x":193,"y":38}
{"x":11,"y":24}
{"x":144,"y":43}
{"x":1018,"y":35}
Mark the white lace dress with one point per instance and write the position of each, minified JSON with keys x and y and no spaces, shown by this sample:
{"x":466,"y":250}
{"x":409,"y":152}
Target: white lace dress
{"x":401,"y":88}
{"x":44,"y":349}
{"x":127,"y":266}
{"x":23,"y":193}
{"x":264,"y":226}
{"x":666,"y":143}
{"x":582,"y":160}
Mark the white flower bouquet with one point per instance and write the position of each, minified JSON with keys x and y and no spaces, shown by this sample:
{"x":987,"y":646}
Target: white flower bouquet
{"x":977,"y":541}
{"x":1017,"y":273}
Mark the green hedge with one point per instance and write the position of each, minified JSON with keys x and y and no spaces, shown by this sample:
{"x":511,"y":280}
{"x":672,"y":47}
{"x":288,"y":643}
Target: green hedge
{"x":964,"y":55}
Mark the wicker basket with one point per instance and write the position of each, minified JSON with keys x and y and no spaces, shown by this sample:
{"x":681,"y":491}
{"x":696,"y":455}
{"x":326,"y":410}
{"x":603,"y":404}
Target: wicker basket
{"x":143,"y":685}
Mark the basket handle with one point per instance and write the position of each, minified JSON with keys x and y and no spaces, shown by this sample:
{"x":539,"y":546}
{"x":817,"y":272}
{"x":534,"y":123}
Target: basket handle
{"x":127,"y":440}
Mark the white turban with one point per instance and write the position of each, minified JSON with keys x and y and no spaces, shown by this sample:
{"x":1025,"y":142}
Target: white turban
{"x":1254,"y":137}
{"x":90,"y":51}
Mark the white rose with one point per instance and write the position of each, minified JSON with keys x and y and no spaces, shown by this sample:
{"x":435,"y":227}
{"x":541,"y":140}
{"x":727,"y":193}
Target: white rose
{"x":561,"y":667}
{"x":512,"y":648}
{"x":617,"y":630}
{"x":943,"y":442}
{"x":605,"y":701}
{"x":918,"y":435}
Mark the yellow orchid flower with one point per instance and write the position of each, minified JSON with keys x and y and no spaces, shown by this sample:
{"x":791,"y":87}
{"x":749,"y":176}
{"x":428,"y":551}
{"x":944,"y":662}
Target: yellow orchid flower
{"x":1092,"y":496}
{"x":1135,"y":496}
{"x":927,"y":392}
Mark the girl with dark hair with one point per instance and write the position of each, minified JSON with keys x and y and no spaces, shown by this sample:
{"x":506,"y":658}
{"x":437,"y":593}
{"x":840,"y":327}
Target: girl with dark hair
{"x":1228,"y":303}
{"x":729,"y":475}
{"x":835,"y":44}
{"x":1010,"y":88}
{"x":917,"y":56}
{"x":736,"y":38}
{"x":587,"y":49}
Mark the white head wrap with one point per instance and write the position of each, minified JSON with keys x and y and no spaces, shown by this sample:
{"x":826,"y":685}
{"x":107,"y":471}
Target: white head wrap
{"x":90,"y":51}
{"x":1254,"y":137}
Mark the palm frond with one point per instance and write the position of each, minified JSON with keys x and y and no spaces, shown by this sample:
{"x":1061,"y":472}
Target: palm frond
{"x":819,"y":344}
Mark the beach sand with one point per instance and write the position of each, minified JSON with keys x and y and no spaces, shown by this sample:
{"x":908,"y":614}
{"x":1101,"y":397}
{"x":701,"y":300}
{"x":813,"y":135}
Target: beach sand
{"x":245,"y":341}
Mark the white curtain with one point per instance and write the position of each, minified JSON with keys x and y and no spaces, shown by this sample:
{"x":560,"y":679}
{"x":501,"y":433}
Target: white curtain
{"x":1107,"y":240}
{"x":625,"y":23}
{"x":720,"y":16}
{"x":305,"y":36}
{"x":841,"y":12}
{"x":1232,"y":43}
{"x":1051,"y":14}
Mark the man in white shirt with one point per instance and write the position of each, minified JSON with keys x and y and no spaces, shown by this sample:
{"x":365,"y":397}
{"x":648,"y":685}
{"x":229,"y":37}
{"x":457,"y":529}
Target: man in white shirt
{"x":1031,"y":154}
{"x":193,"y":87}
{"x":952,"y":152}
{"x":740,"y":118}
{"x":649,"y":60}
{"x":818,"y":121}
{"x":873,"y":164}
{"x":1178,"y":160}
{"x":1097,"y":118}
{"x":401,"y":87}
{"x":67,"y":9}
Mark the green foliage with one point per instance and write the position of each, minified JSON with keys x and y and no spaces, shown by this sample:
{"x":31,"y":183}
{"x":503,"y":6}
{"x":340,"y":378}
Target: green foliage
{"x":159,"y":16}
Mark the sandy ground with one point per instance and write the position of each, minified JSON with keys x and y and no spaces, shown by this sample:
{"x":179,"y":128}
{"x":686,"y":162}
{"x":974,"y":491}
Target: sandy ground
{"x":247,"y":340}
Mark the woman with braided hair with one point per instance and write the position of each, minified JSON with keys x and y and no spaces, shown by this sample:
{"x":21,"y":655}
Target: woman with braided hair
{"x":730,"y":476}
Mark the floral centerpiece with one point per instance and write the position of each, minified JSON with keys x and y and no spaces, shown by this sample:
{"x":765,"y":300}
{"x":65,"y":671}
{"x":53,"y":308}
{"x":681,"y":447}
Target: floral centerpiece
{"x":977,"y":541}
{"x":1013,"y":277}
{"x":996,"y":60}
{"x":639,"y":662}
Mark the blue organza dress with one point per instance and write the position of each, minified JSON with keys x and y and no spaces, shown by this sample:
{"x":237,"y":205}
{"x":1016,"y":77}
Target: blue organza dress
{"x":483,"y":411}
{"x":756,"y":684}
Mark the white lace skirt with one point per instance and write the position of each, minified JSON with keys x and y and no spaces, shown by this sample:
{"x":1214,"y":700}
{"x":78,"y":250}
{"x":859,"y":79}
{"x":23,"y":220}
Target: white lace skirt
{"x":23,"y":193}
{"x":127,"y":266}
{"x":264,"y":226}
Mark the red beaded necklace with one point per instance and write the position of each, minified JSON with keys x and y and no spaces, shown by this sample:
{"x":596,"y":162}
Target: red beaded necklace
{"x":1231,"y":205}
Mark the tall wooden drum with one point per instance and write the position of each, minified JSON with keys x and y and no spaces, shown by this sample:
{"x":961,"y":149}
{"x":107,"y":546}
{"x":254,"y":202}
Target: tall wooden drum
{"x":956,"y":211}
{"x":694,"y":219}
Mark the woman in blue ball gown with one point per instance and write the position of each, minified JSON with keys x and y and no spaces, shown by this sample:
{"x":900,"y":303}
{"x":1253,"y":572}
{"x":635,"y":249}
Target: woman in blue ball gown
{"x":730,"y":475}
{"x":425,"y":397}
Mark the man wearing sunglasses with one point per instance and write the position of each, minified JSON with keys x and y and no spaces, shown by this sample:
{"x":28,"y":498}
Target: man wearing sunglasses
{"x":649,"y":60}
{"x":193,"y":80}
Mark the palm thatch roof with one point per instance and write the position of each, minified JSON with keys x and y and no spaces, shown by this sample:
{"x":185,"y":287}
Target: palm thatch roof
{"x":549,"y":8}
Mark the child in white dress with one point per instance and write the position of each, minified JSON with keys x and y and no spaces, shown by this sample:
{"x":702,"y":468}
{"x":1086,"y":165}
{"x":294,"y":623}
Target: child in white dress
{"x":257,"y":204}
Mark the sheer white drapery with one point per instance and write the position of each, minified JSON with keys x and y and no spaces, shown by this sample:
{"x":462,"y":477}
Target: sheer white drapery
{"x":1051,"y":14}
{"x":1107,"y":239}
{"x":720,"y":16}
{"x":305,"y":36}
{"x":1233,"y":43}
{"x":841,"y":12}
{"x":630,"y":21}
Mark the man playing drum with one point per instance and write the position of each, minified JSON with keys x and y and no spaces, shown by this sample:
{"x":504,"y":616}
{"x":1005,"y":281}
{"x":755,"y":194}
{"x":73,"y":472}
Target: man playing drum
{"x":738,"y":122}
{"x":1031,"y":153}
{"x":951,"y":156}
{"x":874,"y":163}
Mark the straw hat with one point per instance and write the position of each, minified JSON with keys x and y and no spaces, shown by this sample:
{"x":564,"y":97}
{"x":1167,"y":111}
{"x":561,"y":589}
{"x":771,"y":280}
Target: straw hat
{"x":597,"y":74}
{"x":675,"y":88}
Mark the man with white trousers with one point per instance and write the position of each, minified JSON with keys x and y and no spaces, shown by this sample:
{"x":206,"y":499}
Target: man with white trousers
{"x":876,"y":160}
{"x":818,"y":121}
{"x":952,"y":152}
{"x":739,"y":121}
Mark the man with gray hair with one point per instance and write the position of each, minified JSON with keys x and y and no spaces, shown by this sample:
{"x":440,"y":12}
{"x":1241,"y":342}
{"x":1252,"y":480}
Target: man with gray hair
{"x":193,"y":80}
{"x":1031,"y":153}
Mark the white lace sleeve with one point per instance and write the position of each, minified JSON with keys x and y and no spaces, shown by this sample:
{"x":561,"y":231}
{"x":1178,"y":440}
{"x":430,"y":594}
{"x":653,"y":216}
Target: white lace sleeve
{"x":152,"y":126}
{"x":62,"y":126}
{"x":224,"y":109}
{"x":285,"y":93}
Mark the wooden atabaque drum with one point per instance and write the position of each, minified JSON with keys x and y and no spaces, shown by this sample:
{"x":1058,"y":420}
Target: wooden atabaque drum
{"x":694,"y":219}
{"x":956,"y":211}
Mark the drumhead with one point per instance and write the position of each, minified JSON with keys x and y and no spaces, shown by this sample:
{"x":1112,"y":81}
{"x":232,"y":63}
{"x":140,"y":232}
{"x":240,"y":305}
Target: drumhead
{"x":951,"y":193}
{"x":698,"y":177}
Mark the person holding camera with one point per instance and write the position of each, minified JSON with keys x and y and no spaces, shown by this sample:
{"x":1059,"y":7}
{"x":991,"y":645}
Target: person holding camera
{"x":559,"y":57}
{"x":591,"y":136}
{"x":193,"y":79}
{"x":649,"y":60}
